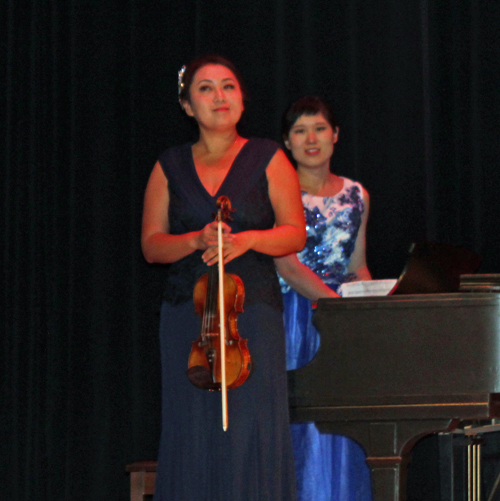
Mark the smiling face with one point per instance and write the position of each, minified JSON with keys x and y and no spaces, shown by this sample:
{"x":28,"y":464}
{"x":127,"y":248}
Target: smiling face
{"x":215,"y":98}
{"x":311,"y":141}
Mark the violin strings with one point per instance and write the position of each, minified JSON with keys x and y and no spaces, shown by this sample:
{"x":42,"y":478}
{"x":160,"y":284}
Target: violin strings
{"x":208,"y":313}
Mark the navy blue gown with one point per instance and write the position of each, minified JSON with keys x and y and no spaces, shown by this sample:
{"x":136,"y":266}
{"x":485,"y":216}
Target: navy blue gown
{"x":328,"y":467}
{"x":253,"y":459}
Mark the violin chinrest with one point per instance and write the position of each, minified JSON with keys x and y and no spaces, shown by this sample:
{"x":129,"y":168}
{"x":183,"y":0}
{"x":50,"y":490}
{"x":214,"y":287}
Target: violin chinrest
{"x":201,"y":377}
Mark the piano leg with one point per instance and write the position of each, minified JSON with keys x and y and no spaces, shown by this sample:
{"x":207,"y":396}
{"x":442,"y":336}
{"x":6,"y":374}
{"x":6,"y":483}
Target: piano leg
{"x":387,"y":445}
{"x":388,"y":478}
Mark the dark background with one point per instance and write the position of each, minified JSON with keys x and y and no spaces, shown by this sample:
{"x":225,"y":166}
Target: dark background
{"x":89,"y":100}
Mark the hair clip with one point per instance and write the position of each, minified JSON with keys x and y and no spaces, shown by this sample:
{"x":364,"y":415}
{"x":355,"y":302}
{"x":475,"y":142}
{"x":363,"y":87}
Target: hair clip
{"x":180,"y":83}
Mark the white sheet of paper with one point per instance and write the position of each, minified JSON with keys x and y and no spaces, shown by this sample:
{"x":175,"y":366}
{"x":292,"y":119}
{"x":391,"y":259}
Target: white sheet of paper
{"x":367,"y":288}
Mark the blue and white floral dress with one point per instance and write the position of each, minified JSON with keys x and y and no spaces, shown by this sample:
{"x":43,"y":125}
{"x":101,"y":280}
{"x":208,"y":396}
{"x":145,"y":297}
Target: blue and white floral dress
{"x":328,"y":467}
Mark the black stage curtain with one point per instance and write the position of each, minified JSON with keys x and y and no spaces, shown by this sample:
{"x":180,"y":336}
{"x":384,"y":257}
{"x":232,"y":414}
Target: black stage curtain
{"x":89,"y":100}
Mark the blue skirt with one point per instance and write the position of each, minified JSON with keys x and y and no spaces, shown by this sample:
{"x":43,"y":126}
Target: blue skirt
{"x":253,"y":459}
{"x":328,"y":467}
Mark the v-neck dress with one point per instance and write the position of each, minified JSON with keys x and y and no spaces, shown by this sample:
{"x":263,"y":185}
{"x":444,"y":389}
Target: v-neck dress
{"x":253,"y":459}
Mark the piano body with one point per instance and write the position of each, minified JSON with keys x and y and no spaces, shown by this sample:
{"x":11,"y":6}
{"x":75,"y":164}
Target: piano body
{"x":390,"y":370}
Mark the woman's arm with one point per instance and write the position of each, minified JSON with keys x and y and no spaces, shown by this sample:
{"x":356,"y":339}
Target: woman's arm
{"x":158,"y":245}
{"x":358,"y":258}
{"x":301,"y":278}
{"x":289,"y":233}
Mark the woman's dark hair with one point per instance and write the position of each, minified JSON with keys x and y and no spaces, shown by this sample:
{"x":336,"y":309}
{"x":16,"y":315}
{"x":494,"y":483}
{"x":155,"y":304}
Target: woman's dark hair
{"x":308,"y":105}
{"x":202,"y":61}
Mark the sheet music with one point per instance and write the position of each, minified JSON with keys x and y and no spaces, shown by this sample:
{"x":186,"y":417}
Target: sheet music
{"x":367,"y":288}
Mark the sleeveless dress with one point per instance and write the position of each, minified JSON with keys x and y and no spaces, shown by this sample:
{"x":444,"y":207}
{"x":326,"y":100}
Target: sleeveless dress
{"x":328,"y":467}
{"x":253,"y":459}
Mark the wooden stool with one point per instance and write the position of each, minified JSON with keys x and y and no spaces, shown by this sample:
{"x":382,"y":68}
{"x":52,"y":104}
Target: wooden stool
{"x":142,"y":479}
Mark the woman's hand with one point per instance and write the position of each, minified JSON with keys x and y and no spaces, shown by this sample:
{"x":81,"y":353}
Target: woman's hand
{"x":298,"y":276}
{"x":208,"y":236}
{"x":233,"y":245}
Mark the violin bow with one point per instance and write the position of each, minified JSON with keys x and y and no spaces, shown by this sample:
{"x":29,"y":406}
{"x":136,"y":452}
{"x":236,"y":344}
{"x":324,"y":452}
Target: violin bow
{"x":222,"y":316}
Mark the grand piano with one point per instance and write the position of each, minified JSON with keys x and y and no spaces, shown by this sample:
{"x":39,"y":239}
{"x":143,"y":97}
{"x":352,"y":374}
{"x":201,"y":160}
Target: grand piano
{"x":390,"y":370}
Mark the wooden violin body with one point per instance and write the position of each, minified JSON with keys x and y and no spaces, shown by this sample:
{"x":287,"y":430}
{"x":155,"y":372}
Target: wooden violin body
{"x":204,"y":365}
{"x":219,"y":358}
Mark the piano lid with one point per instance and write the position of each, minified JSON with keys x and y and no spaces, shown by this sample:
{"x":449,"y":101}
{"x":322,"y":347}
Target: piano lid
{"x":435,"y":268}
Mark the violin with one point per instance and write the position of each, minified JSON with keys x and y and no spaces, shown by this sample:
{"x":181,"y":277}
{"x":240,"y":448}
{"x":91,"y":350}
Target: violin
{"x":219,"y":358}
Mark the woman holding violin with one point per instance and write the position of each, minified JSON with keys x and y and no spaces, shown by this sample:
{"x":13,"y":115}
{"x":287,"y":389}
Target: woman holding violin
{"x":252,"y":458}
